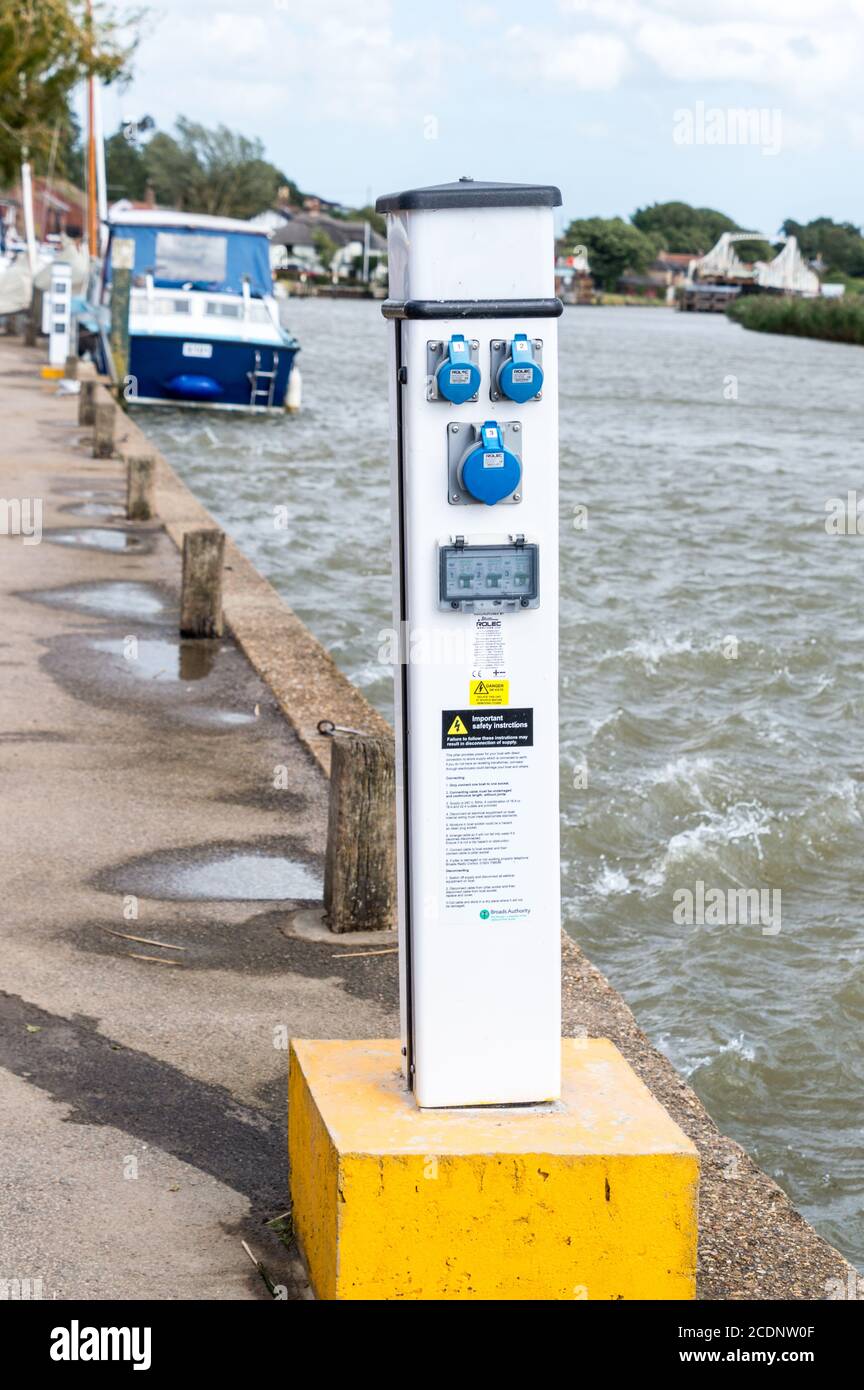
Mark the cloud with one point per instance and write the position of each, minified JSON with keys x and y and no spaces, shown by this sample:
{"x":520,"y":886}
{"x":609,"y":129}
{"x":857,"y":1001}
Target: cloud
{"x":590,"y":62}
{"x":776,"y":43}
{"x":769,"y":55}
{"x":335,"y":61}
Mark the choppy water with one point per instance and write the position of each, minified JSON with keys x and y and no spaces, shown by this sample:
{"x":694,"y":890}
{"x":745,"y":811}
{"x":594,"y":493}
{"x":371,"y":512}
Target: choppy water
{"x":712,"y":678}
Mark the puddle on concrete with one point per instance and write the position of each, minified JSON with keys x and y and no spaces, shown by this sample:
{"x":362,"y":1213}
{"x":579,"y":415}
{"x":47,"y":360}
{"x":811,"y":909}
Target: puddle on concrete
{"x":116,"y":599}
{"x":96,"y":538}
{"x":74,"y":489}
{"x":94,"y":509}
{"x":219,"y":718}
{"x":239,"y":874}
{"x":206,"y":686}
{"x":155,"y":658}
{"x":196,"y":659}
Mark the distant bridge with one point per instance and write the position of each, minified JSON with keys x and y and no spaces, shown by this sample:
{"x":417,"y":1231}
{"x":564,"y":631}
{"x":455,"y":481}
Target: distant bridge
{"x":788,"y":271}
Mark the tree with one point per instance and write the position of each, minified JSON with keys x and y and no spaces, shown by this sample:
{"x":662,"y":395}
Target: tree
{"x":753,"y":250}
{"x":613,"y":246}
{"x":840,"y":244}
{"x":214,"y":171}
{"x":125,"y":168}
{"x":325,"y":247}
{"x":683,"y":228}
{"x":46,"y":48}
{"x":377,"y":221}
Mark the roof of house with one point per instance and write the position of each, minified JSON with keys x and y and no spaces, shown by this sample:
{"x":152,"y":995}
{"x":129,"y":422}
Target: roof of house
{"x":301,"y":227}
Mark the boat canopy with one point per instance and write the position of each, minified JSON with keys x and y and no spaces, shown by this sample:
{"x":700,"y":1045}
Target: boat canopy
{"x":217,"y":258}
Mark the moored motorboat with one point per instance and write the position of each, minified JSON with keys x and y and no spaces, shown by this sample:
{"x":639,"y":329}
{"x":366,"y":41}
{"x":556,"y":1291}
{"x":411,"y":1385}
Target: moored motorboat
{"x":204,"y":325}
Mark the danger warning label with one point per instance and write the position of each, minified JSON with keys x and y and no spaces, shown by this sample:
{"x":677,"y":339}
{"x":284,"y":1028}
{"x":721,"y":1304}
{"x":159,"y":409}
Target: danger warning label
{"x":473,"y":728}
{"x":486,"y":692}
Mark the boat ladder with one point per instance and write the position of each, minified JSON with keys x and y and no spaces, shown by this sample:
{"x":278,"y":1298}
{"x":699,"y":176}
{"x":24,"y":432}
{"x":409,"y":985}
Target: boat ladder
{"x":259,"y":375}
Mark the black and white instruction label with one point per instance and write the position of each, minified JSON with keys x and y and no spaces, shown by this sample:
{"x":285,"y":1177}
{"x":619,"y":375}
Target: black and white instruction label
{"x":487,"y":758}
{"x":489,"y":654}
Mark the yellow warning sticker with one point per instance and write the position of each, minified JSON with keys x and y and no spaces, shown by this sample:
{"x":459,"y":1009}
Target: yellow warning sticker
{"x":488,"y":692}
{"x":457,"y":727}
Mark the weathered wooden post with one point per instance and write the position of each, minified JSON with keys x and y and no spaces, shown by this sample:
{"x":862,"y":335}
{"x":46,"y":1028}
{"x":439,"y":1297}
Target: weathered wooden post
{"x":140,"y":482}
{"x":201,"y":602}
{"x":360,"y":869}
{"x":104,"y":415}
{"x":70,"y":371}
{"x":87,"y":396}
{"x":122,"y":264}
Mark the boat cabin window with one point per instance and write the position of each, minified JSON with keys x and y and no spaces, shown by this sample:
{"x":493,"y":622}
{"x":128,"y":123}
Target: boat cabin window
{"x":182,"y":257}
{"x":224,"y":309}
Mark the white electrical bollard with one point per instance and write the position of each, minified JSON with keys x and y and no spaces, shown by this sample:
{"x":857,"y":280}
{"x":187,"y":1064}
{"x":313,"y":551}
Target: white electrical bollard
{"x":470,"y":1185}
{"x":59,"y":314}
{"x":474,"y":422}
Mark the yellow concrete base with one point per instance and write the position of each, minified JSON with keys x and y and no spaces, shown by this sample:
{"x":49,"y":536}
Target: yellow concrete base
{"x":593,"y":1197}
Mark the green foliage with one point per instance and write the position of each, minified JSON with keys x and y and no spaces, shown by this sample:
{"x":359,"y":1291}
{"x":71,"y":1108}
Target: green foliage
{"x":46,"y":48}
{"x":613,"y":246}
{"x":125,"y":169}
{"x":680,"y":227}
{"x":325,"y":246}
{"x":377,"y":221}
{"x":837,"y":320}
{"x":754,"y":251}
{"x":70,"y":151}
{"x":840,"y":244}
{"x":213,"y":171}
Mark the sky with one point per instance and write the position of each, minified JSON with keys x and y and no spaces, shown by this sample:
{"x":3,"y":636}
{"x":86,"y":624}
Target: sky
{"x":620,"y":103}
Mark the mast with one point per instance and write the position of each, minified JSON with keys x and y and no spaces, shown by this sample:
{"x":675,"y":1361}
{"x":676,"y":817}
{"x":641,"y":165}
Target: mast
{"x":92,"y":213}
{"x":27,"y":200}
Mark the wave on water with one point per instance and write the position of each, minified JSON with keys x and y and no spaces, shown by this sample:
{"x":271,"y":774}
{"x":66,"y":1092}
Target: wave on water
{"x":735,"y":1047}
{"x":747,"y":821}
{"x":611,"y":881}
{"x":656,"y":647}
{"x":679,"y":770}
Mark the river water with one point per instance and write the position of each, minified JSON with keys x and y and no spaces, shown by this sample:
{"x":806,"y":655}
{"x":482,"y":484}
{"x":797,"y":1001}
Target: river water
{"x":712,"y":671}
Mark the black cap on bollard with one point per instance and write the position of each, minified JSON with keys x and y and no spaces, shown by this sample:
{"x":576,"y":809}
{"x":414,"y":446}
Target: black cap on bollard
{"x":468,"y":193}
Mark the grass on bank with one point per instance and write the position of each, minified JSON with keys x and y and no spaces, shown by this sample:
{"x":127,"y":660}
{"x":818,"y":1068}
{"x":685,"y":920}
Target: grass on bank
{"x":835,"y":320}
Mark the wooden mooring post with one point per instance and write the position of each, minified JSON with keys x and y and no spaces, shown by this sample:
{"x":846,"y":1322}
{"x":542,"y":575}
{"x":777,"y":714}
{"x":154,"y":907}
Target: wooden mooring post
{"x":140,"y":487}
{"x":87,"y":394}
{"x":122,"y":264}
{"x":201,"y":602}
{"x":104,"y":416}
{"x":360,"y":869}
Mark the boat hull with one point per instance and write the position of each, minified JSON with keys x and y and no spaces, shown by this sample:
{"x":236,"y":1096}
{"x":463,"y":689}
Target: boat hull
{"x":208,"y":373}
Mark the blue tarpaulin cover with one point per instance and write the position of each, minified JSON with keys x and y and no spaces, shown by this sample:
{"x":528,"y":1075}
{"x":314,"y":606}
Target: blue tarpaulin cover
{"x":209,"y":260}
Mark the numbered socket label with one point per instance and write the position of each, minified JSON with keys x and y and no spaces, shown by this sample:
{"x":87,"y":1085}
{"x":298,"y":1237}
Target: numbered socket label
{"x":484,"y":463}
{"x":453,"y":370}
{"x":516,"y":369}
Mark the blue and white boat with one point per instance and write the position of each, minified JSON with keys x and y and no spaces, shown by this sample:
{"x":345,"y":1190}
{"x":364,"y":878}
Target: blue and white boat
{"x":204,"y":324}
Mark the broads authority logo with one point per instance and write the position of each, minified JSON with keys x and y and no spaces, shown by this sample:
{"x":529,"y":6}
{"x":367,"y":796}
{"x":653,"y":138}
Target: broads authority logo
{"x":77,"y":1343}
